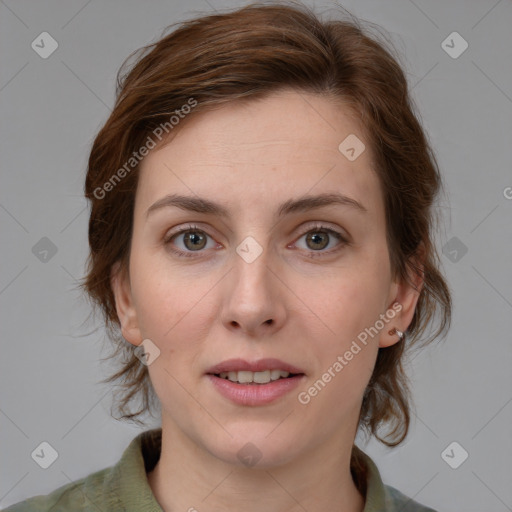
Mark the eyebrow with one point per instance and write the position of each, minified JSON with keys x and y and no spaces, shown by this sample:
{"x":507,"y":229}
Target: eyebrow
{"x":304,"y":204}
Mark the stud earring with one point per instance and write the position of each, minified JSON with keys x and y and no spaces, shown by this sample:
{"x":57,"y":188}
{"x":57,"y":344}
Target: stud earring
{"x":400,"y":334}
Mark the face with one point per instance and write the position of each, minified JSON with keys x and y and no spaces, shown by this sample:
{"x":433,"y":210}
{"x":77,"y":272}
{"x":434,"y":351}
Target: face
{"x":260,"y":262}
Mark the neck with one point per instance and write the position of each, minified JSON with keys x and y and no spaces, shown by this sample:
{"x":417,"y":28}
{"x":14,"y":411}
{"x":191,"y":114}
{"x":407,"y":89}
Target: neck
{"x":189,"y":478}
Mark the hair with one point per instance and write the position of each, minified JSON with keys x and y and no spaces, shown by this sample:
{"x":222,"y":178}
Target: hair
{"x":247,"y":54}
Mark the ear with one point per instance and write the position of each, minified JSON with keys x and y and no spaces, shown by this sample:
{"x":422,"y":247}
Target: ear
{"x":406,"y":294}
{"x":120,"y":283}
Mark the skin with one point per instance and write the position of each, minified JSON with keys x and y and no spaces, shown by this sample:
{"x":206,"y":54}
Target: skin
{"x":201,"y":310}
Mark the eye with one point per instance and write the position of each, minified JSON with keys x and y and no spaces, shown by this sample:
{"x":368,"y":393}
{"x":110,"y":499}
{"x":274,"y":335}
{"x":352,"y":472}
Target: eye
{"x":318,"y":237}
{"x":192,"y":240}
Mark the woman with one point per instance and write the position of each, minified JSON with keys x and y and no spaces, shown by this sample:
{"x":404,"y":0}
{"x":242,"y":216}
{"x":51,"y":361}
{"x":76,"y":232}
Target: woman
{"x":261,"y":237}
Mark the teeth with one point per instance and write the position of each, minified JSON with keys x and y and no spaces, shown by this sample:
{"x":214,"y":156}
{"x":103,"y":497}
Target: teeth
{"x":275,"y":374}
{"x":261,"y":377}
{"x":245,"y":377}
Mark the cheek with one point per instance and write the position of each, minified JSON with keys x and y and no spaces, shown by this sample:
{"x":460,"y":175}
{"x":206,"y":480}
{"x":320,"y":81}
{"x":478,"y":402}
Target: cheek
{"x":349,"y":306}
{"x":345,"y":358}
{"x":353,"y":300}
{"x":174,"y":310}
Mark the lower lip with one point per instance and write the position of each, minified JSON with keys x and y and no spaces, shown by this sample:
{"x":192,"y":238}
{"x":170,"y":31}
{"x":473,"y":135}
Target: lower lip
{"x":255,"y":394}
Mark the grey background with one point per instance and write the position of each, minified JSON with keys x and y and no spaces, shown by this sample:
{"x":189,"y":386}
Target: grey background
{"x":52,"y":108}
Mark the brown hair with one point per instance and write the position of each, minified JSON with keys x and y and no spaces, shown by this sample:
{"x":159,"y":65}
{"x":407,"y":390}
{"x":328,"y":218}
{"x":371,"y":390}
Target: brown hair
{"x":246,"y":54}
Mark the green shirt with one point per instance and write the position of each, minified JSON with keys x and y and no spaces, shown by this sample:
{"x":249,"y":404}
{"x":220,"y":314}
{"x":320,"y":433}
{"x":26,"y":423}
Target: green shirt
{"x":124,"y":486}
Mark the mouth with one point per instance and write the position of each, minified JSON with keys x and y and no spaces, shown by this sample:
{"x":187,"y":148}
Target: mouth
{"x":261,"y":371}
{"x":263,"y":377}
{"x":254,"y":383}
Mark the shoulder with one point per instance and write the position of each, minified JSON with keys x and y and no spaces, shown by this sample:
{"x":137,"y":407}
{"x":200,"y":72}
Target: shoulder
{"x":89,"y":493}
{"x":381,"y":497}
{"x":123,"y":486}
{"x":395,"y":500}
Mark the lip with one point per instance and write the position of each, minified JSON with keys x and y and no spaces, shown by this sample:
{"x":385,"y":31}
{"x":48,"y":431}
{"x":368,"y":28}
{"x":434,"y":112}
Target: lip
{"x":234,"y":365}
{"x":254,"y":394}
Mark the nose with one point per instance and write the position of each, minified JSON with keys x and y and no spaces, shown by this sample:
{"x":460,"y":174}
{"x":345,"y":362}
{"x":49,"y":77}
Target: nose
{"x":253,"y":297}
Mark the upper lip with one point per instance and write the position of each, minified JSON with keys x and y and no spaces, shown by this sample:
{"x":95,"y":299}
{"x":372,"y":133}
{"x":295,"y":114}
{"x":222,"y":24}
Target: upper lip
{"x":234,"y":365}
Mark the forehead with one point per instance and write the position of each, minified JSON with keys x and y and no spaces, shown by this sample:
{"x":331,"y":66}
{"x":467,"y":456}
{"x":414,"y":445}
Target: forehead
{"x":287,"y":143}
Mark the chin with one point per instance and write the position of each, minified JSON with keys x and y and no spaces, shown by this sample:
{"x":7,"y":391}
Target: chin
{"x":257,"y":451}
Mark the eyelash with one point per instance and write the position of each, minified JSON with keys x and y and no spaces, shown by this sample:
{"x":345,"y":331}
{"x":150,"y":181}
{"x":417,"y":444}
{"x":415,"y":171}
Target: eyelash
{"x":313,"y":254}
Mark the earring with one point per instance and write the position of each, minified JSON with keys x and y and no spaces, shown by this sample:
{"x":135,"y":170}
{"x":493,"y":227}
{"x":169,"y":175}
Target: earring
{"x":400,"y":334}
